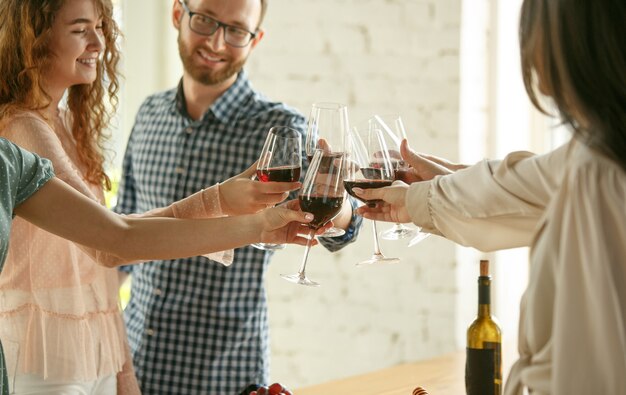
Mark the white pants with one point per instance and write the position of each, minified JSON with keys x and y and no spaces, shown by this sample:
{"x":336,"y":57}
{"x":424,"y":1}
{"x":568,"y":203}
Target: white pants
{"x":30,"y":384}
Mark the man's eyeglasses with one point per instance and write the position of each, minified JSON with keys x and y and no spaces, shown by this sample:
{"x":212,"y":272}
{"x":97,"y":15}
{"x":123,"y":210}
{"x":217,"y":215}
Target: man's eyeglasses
{"x":207,"y":26}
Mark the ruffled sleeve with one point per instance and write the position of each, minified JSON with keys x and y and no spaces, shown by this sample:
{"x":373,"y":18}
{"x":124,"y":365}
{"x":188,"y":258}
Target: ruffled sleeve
{"x":202,"y":204}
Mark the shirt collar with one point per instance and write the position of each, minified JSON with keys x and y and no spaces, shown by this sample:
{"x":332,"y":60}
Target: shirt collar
{"x":229,"y":106}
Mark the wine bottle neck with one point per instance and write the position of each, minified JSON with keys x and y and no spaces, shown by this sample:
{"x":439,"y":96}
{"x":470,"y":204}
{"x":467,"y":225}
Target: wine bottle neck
{"x":484,"y":296}
{"x":484,"y":310}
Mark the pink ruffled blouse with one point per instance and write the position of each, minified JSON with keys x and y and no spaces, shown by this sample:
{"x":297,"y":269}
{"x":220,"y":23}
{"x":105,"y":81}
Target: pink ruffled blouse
{"x":59,"y":308}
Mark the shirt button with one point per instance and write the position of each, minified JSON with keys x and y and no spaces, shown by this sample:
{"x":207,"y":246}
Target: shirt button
{"x":179,"y":170}
{"x":188,"y":130}
{"x":150,"y":332}
{"x":157,"y":291}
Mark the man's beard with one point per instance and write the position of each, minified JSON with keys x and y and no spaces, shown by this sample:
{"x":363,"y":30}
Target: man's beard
{"x":204,"y":76}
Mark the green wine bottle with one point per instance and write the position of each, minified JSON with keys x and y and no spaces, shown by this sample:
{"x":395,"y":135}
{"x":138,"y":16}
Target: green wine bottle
{"x":483,"y":365}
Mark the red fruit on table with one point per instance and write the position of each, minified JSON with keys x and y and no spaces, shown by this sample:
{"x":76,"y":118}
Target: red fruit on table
{"x":276,"y":389}
{"x":262,"y":391}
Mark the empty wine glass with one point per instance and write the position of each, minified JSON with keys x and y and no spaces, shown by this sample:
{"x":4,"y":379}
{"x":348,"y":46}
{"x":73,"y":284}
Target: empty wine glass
{"x":322,"y":195}
{"x":394,"y":132}
{"x":369,"y":166}
{"x":326,"y":129}
{"x":280,"y":161}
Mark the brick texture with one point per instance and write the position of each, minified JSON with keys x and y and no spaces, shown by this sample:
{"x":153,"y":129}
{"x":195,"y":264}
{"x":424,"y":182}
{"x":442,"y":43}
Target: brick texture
{"x":377,"y":56}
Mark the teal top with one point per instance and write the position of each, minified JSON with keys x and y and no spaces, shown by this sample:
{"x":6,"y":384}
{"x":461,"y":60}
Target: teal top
{"x":22,"y":173}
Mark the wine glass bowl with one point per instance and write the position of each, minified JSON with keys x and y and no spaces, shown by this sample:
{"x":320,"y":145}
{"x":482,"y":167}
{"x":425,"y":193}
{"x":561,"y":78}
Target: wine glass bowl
{"x":369,"y":165}
{"x":279,"y":174}
{"x":326,"y":130}
{"x":280,"y":161}
{"x":366,"y":184}
{"x":394,"y":132}
{"x":322,"y":194}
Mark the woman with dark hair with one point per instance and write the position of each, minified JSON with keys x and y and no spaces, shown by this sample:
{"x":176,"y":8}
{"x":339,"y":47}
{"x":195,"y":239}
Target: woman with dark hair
{"x":59,"y":303}
{"x":568,"y":205}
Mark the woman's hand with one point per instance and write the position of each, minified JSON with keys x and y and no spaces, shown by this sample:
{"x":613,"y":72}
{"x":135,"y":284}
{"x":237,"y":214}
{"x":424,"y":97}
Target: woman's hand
{"x":425,"y":167}
{"x":242,"y":195}
{"x":392,"y":204}
{"x":286,"y":225}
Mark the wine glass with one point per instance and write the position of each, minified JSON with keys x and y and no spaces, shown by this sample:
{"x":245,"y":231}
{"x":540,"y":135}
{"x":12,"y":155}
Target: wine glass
{"x":280,"y":161}
{"x":326,"y":129}
{"x":369,"y":166}
{"x":322,"y":195}
{"x":394,"y":132}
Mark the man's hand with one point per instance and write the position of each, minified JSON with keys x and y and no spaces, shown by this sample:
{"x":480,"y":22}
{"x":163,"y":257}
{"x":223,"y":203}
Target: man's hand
{"x":242,"y":195}
{"x":392,"y":205}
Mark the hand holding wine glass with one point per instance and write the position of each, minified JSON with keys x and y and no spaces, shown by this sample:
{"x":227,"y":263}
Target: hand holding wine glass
{"x":280,"y":162}
{"x":369,"y":166}
{"x":390,"y":203}
{"x":393,"y":132}
{"x":283,"y":224}
{"x":322,"y":195}
{"x":242,"y":195}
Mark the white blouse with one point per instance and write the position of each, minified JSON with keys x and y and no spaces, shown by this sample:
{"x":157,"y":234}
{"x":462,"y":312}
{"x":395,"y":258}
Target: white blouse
{"x":569,"y":206}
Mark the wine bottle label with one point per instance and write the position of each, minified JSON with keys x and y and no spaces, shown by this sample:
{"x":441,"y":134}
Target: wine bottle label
{"x":483,"y":372}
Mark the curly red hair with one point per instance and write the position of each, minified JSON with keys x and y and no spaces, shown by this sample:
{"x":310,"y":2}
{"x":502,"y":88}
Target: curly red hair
{"x":24,"y":55}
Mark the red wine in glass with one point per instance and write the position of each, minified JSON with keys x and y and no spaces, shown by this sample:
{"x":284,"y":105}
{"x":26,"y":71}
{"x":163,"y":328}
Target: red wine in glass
{"x":322,"y":195}
{"x":323,"y":208}
{"x":365,"y":184}
{"x":279,"y":174}
{"x":369,"y":166}
{"x":280,"y":161}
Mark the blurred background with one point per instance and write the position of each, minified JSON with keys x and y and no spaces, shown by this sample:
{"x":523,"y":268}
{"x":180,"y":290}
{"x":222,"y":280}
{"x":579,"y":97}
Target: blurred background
{"x":450,"y":68}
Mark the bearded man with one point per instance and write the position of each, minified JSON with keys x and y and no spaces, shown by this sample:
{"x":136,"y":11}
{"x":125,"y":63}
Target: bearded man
{"x":198,"y":327}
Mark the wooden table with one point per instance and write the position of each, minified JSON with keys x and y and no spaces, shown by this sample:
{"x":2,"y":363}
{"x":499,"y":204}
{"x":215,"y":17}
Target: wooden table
{"x":439,"y":376}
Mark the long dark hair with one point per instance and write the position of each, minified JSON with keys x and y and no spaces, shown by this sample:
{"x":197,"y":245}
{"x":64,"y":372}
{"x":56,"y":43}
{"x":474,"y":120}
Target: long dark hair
{"x":574,"y":52}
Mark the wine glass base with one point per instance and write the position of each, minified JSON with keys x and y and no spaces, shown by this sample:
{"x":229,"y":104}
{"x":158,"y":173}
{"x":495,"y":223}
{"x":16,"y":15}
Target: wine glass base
{"x":268,"y":246}
{"x":333,"y":232}
{"x":398,"y":233}
{"x":300,"y":279}
{"x":420,"y":236}
{"x":378,"y":259}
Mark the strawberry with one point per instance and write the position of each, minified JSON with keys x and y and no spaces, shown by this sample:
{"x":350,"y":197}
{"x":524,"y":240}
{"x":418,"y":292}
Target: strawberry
{"x":276,"y":389}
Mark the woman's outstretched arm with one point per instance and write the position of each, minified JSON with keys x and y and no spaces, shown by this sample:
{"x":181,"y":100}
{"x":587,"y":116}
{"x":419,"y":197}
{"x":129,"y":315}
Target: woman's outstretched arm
{"x":61,"y":210}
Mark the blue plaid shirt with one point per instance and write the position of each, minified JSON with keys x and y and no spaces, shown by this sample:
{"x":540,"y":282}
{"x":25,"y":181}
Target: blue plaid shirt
{"x":195,"y":326}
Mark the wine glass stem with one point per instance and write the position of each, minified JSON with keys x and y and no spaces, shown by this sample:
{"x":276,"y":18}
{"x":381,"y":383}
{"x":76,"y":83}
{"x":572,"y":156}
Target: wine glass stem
{"x":306,"y":253}
{"x":376,"y":245}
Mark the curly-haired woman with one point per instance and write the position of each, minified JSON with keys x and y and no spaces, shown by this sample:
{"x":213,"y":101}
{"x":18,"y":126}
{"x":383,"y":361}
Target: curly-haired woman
{"x":60,"y":320}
